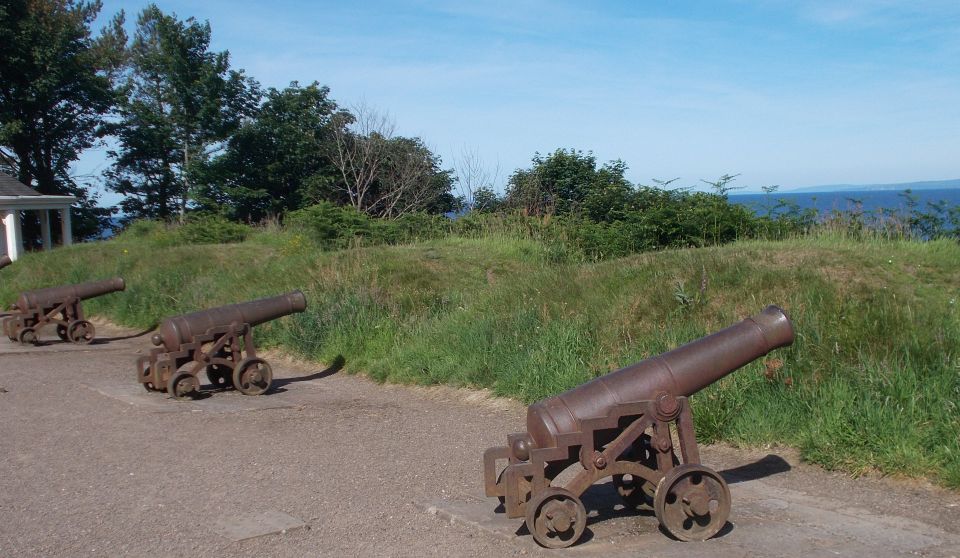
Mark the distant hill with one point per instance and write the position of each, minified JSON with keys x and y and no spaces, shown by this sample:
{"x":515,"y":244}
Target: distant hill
{"x":925,"y":185}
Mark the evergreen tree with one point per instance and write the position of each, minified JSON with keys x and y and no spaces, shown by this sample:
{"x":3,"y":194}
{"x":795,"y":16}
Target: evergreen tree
{"x":56,"y":88}
{"x":180,"y":103}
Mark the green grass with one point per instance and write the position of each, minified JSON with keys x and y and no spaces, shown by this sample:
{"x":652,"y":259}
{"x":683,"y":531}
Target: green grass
{"x":871,"y":384}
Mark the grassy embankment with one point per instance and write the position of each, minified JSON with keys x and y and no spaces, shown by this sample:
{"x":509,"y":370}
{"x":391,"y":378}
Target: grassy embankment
{"x":872,"y":383}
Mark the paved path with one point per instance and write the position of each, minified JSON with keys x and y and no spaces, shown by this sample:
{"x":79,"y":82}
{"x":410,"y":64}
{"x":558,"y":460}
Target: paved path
{"x":336,"y":465}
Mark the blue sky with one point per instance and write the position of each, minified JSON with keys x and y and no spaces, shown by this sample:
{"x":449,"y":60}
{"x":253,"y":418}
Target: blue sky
{"x":794,"y":93}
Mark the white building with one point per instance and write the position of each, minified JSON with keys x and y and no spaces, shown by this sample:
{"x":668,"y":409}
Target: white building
{"x":16,"y":197}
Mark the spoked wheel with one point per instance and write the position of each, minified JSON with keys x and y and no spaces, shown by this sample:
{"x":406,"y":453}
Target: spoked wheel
{"x":635,"y":490}
{"x":252,"y":376}
{"x":62,"y":332}
{"x":523,"y":488}
{"x":27,"y":336}
{"x":556,"y":518}
{"x":220,"y":376}
{"x":182,"y":385}
{"x":692,"y":502}
{"x":80,"y":332}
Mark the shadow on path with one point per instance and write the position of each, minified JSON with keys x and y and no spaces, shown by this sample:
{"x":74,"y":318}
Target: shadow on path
{"x":766,"y":467}
{"x":335,"y":367}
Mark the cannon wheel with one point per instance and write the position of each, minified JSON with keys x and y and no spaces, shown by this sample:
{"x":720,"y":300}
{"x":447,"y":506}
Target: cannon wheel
{"x":252,"y":376}
{"x":219,"y":375}
{"x":80,"y":332}
{"x":523,"y":488}
{"x":692,"y":502}
{"x":182,"y":385}
{"x":62,"y":332}
{"x":556,"y":518}
{"x":27,"y":336}
{"x":8,"y":328}
{"x":637,"y":491}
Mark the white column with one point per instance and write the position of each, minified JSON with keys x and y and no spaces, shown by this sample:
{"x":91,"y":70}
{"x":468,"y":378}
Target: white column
{"x":11,"y":221}
{"x":66,"y":227}
{"x":45,"y":228}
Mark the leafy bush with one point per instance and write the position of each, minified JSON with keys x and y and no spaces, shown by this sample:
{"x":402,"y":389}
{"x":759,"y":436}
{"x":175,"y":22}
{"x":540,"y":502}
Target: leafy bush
{"x":199,"y":229}
{"x":211,"y":229}
{"x":330,"y":225}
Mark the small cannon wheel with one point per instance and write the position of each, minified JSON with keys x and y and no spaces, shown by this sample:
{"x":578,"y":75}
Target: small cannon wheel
{"x":182,"y":385}
{"x":637,"y":491}
{"x":27,"y":336}
{"x":556,"y":518}
{"x":252,"y":376}
{"x":523,"y":486}
{"x":80,"y":332}
{"x":220,"y":376}
{"x":62,"y":332}
{"x":9,"y":329}
{"x":692,"y":502}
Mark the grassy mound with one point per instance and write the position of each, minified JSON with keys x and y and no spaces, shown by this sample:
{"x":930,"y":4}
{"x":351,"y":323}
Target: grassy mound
{"x":872,"y":383}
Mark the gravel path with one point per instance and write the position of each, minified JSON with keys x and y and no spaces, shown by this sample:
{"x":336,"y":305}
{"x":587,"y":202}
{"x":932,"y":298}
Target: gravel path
{"x":93,"y":465}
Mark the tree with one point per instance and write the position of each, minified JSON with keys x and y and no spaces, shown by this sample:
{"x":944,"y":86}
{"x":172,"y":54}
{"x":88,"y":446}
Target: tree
{"x":475,"y":182}
{"x":277,"y":161}
{"x":383,"y":175}
{"x":180,"y":103}
{"x":568,"y":181}
{"x":56,"y":88}
{"x":411,"y":180}
{"x":361,"y":138}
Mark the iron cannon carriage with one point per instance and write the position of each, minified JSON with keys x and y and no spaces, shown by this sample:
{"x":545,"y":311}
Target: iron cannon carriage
{"x":58,"y":306}
{"x":218,"y":341}
{"x":624,"y":425}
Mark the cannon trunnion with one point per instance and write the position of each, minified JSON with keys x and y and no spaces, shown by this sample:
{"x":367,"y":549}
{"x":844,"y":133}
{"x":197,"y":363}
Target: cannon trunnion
{"x":624,"y":425}
{"x":218,"y":341}
{"x":58,"y":306}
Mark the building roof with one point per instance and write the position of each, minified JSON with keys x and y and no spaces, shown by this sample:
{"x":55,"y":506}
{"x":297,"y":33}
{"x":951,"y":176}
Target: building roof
{"x":10,"y":186}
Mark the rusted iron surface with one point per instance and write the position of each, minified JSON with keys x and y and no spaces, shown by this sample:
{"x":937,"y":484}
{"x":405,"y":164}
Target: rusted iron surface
{"x":5,"y":261}
{"x":218,"y":341}
{"x":623,"y":425}
{"x":59,"y":306}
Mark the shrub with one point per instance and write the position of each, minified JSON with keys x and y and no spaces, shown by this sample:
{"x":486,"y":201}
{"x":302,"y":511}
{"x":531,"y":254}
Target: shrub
{"x":211,"y":229}
{"x":330,"y":225}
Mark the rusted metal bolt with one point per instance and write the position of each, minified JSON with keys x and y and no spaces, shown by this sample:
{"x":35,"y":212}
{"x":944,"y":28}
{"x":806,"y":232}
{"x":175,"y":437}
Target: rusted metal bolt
{"x":663,"y":443}
{"x":667,"y":404}
{"x":599,"y":460}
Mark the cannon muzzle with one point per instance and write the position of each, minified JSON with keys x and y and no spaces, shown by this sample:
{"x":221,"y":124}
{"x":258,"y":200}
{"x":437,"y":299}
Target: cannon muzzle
{"x":50,"y":297}
{"x":680,"y":372}
{"x":5,"y":261}
{"x":178,"y":330}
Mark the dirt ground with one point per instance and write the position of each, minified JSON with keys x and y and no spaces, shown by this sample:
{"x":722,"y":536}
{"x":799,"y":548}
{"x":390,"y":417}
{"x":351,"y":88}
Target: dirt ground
{"x":331,"y":464}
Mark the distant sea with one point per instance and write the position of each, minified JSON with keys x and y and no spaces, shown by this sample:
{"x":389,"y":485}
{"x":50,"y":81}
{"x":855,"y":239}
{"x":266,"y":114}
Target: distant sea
{"x":868,"y":201}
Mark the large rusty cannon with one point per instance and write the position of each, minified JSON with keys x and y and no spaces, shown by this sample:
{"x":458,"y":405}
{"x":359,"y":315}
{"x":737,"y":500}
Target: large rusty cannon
{"x":5,"y":261}
{"x":623,"y":425}
{"x":218,"y":341}
{"x":56,"y":305}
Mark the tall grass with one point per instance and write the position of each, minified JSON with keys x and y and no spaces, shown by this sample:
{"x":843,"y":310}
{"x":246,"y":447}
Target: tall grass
{"x":872,"y":382}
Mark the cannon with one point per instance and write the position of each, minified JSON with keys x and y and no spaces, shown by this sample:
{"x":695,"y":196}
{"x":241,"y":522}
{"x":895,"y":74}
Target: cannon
{"x":5,"y":261}
{"x":218,"y":341}
{"x":56,"y":305}
{"x":626,"y":425}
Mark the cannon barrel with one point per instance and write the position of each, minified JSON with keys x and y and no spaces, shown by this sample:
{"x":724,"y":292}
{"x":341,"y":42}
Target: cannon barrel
{"x":5,"y":261}
{"x":52,"y":296}
{"x":178,"y":330}
{"x":680,"y":372}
